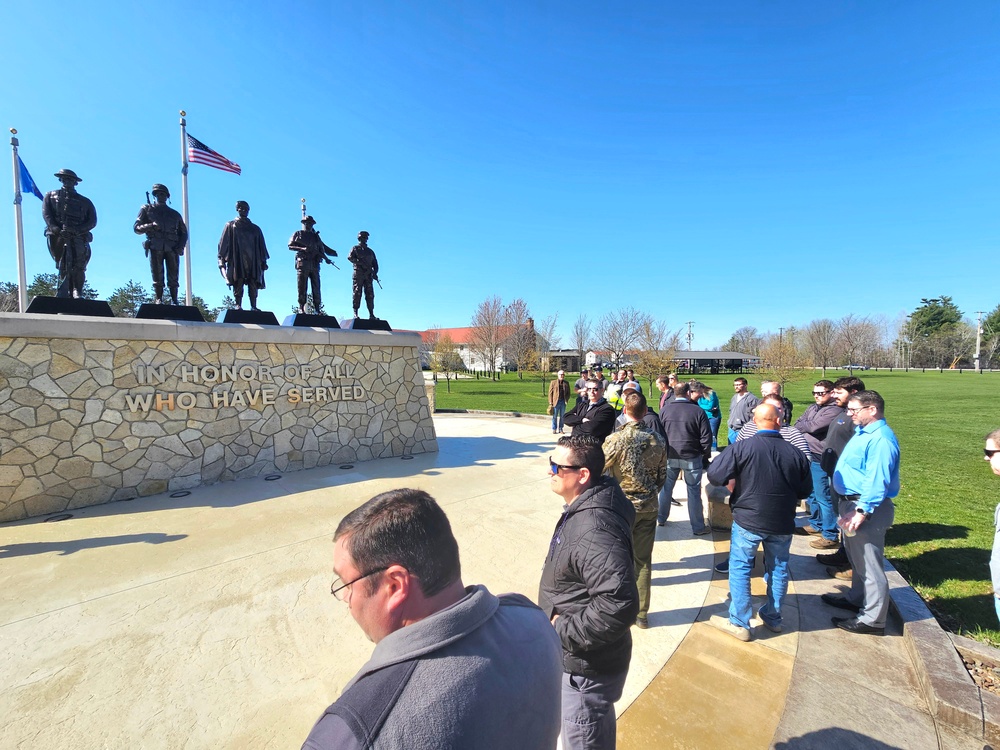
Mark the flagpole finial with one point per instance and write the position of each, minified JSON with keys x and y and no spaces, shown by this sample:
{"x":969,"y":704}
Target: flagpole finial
{"x":13,"y":131}
{"x":183,"y":113}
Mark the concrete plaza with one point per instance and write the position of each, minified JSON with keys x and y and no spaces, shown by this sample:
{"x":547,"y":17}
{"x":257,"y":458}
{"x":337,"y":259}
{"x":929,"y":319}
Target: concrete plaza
{"x":206,"y":621}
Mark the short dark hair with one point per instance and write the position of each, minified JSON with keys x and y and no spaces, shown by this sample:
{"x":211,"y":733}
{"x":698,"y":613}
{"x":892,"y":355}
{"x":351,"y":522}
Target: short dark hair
{"x":403,"y":527}
{"x":661,"y":379}
{"x":870,"y":398}
{"x":681,"y":390}
{"x":584,"y":451}
{"x":740,"y":380}
{"x":851,"y":384}
{"x":635,"y":405}
{"x":825,"y":383}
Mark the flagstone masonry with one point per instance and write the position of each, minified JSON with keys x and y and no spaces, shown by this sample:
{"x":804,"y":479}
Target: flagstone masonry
{"x":99,"y":410}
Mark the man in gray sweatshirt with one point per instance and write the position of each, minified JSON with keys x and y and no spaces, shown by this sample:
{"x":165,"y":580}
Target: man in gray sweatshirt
{"x":453,"y":666}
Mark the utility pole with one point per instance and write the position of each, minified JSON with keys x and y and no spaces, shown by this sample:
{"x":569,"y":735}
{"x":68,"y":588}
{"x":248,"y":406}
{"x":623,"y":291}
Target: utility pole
{"x":690,"y":336}
{"x":979,"y":337}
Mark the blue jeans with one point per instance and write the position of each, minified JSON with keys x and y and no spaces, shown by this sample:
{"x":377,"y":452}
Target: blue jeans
{"x":588,"y":710}
{"x":742,"y":548}
{"x":714,"y":423}
{"x":558,"y":412}
{"x":822,"y":515}
{"x":692,"y":468}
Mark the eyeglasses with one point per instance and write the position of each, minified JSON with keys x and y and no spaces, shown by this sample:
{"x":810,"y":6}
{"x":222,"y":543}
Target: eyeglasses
{"x":856,"y":409}
{"x":593,"y":389}
{"x":554,"y":467}
{"x":990,"y":452}
{"x":338,"y":586}
{"x":820,"y":393}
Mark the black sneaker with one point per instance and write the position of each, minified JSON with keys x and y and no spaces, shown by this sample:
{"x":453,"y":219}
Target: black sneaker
{"x":836,"y":559}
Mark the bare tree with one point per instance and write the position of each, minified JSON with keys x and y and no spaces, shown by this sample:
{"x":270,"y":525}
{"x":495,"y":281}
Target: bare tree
{"x":618,"y":332}
{"x":853,"y":338}
{"x":519,"y":345}
{"x":9,"y":300}
{"x":488,"y":333}
{"x":780,"y":358}
{"x":445,"y":359}
{"x":548,"y":340}
{"x":820,"y":339}
{"x":657,"y":349}
{"x":745,"y":340}
{"x":581,"y":336}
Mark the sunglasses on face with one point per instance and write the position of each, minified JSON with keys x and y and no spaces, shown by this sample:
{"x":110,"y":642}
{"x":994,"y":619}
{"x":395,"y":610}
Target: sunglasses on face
{"x":554,"y":467}
{"x":990,"y":452}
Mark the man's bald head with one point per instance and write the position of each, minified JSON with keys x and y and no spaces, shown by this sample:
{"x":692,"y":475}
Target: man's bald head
{"x":765,"y":416}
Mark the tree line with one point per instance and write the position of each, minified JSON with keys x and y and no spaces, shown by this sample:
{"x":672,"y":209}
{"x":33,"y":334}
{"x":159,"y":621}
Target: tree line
{"x":935,"y":335}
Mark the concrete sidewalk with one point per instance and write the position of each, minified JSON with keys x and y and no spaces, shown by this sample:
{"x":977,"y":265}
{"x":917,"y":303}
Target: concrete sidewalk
{"x":206,"y":620}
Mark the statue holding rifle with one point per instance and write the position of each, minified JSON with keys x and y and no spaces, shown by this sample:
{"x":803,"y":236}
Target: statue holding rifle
{"x":69,"y":219}
{"x":365,"y":271}
{"x":310,"y":251}
{"x":166,"y":237}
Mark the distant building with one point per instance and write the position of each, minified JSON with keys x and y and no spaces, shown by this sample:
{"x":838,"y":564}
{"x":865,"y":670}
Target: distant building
{"x":462,"y":339}
{"x":692,"y":362}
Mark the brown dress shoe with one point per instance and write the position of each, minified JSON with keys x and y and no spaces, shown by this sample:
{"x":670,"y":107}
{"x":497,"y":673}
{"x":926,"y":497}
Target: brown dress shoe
{"x":841,"y":574}
{"x":822,"y":542}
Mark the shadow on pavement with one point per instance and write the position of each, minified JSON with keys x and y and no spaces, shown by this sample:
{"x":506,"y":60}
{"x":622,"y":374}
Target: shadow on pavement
{"x":842,"y":739}
{"x":75,"y":545}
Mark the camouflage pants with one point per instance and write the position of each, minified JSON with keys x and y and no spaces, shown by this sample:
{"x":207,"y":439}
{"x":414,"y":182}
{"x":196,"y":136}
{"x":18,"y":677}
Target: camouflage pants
{"x":366,"y":285}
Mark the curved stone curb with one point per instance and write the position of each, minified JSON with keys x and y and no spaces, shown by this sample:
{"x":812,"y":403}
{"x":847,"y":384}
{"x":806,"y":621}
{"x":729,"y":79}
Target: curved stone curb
{"x":952,"y":696}
{"x":482,"y":413}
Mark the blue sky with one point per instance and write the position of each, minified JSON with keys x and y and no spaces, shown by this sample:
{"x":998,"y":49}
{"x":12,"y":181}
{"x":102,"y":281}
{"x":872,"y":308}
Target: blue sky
{"x":730,"y":163}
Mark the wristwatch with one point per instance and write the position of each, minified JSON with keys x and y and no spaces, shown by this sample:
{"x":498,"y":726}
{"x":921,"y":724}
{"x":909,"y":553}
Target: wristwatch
{"x":863,"y":513}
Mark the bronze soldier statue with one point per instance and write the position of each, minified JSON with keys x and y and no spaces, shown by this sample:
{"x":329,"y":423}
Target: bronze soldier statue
{"x":243,"y":256}
{"x":69,"y":217}
{"x":365,"y":271}
{"x":310,"y":251}
{"x":166,"y":237}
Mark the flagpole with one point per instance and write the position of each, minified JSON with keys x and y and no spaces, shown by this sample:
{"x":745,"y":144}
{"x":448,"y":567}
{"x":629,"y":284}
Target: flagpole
{"x":22,"y":280}
{"x":184,"y":201}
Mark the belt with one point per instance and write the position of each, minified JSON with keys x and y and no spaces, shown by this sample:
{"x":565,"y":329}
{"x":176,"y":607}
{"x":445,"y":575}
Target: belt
{"x":852,"y":497}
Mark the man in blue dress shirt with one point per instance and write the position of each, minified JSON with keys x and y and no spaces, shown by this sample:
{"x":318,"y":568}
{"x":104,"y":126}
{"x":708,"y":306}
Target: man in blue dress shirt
{"x":867,"y":473}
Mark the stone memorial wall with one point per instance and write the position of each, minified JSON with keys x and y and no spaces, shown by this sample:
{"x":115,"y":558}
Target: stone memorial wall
{"x":97,"y":410}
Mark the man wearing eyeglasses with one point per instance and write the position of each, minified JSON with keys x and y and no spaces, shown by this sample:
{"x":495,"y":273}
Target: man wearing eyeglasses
{"x":867,"y":473}
{"x":992,"y":455}
{"x":593,"y":417}
{"x":453,"y":666}
{"x":814,"y":423}
{"x":588,"y":591}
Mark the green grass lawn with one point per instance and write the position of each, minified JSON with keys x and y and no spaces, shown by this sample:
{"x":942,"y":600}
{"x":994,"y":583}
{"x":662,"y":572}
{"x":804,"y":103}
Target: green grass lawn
{"x":943,"y":532}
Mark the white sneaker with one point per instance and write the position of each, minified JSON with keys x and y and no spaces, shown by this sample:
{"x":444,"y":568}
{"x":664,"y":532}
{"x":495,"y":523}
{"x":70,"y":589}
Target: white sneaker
{"x":725,"y":625}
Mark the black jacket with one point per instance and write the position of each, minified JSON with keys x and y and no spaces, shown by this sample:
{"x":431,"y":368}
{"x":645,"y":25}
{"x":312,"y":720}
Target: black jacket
{"x":600,"y":420}
{"x":589,"y":581}
{"x":771,"y":477}
{"x":686,"y":429}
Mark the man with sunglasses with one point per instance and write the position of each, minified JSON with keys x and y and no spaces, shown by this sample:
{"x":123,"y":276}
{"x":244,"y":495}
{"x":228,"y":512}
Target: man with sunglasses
{"x":814,"y":423}
{"x":595,"y":416}
{"x":867,"y":473}
{"x":588,"y":591}
{"x":992,"y":454}
{"x":453,"y":666}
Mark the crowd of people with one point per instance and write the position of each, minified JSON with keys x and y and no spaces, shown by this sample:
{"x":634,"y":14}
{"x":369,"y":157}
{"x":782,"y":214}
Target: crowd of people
{"x":456,"y":666}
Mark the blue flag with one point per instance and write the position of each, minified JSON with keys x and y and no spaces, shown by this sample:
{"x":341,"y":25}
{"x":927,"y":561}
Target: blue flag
{"x":27,"y":184}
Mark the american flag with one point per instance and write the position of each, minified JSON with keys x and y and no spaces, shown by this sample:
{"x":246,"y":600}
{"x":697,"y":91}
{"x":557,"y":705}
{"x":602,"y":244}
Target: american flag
{"x":199,"y":153}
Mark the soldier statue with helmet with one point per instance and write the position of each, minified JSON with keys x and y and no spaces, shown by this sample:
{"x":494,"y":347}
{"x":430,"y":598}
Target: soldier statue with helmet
{"x":69,"y":218}
{"x":166,"y":238}
{"x":309,"y":251}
